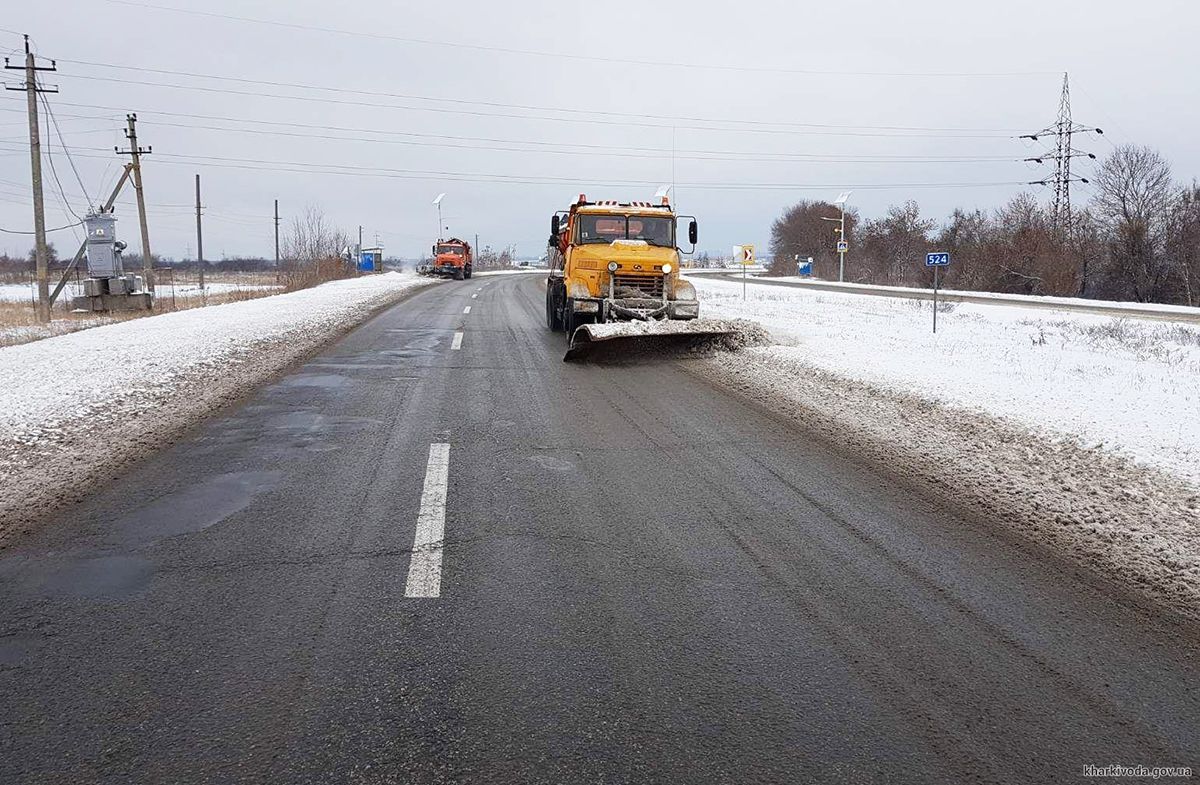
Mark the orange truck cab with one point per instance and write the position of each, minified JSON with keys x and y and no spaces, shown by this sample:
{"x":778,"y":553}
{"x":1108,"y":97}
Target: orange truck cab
{"x":452,"y":259}
{"x":617,"y":261}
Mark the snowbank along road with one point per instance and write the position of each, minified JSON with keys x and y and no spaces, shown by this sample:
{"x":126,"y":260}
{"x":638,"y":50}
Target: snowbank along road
{"x":437,"y":553}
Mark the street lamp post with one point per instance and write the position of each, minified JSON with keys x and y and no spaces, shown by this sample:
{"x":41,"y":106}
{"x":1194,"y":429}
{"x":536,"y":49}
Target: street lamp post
{"x":438,"y":203}
{"x":842,"y":242}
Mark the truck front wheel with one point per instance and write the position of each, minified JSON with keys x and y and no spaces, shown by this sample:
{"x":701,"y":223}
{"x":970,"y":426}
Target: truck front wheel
{"x":553,"y":317}
{"x":458,"y":274}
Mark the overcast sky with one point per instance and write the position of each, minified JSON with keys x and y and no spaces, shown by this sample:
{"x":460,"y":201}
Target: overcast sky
{"x":513,"y":109}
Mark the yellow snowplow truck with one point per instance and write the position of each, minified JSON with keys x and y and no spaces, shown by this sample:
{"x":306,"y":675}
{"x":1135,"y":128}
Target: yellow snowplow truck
{"x":619,"y":262}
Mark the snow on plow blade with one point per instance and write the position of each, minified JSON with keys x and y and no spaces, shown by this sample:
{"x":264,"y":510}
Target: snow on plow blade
{"x":628,"y":340}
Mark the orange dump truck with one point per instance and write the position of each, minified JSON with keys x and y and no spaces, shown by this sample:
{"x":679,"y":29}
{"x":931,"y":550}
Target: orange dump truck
{"x":452,"y":259}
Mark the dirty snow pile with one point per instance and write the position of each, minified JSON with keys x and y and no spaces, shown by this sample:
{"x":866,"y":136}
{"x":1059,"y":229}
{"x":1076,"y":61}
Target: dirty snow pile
{"x":1077,"y":431}
{"x":1130,"y":386}
{"x":61,"y":396}
{"x":637,"y":329}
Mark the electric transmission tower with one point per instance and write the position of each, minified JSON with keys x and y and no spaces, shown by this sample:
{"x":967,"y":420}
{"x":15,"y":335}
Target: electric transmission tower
{"x":1063,"y":131}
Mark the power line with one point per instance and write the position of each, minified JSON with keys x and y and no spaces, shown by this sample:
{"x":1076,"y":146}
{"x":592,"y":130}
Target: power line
{"x":444,"y":44}
{"x":55,"y":229}
{"x":773,"y":158}
{"x":523,"y":107}
{"x":662,"y":151}
{"x":256,"y":164}
{"x":587,"y":121}
{"x":62,"y":143}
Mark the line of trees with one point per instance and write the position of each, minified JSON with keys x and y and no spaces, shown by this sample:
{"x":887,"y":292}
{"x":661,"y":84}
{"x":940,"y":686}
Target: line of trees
{"x":1137,"y":239}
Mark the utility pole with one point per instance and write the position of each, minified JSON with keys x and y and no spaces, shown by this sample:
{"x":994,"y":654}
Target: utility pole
{"x":276,"y":234}
{"x":31,"y":88}
{"x":358,"y":256}
{"x":842,"y":243}
{"x":1063,"y":130}
{"x":135,"y":153}
{"x":199,"y":237}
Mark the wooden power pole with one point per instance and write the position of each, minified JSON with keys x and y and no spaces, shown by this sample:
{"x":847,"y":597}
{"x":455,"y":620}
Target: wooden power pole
{"x":276,"y":234}
{"x":41,"y":258}
{"x":199,"y":237}
{"x":135,"y":153}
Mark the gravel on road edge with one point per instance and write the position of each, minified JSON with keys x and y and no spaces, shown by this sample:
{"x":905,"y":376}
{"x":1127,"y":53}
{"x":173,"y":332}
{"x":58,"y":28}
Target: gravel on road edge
{"x":57,"y":472}
{"x":1124,"y":522}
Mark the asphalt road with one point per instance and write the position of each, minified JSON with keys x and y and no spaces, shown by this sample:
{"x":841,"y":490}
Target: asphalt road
{"x":643,"y":579}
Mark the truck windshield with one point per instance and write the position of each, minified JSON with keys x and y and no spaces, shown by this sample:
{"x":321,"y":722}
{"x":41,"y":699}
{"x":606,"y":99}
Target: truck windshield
{"x":606,"y":228}
{"x":451,"y":249}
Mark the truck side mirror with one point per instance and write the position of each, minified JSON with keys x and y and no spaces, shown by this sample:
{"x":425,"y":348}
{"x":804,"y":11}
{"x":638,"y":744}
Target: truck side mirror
{"x":693,"y":234}
{"x":554,"y":225}
{"x":433,"y":249}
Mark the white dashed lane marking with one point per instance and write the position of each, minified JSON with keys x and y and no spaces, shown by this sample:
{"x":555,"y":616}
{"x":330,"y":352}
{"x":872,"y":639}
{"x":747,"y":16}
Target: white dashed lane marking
{"x":457,"y":342}
{"x":425,"y":568}
{"x":467,"y":309}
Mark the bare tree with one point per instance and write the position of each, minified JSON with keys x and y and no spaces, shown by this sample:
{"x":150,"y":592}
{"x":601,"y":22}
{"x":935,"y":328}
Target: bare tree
{"x":1135,"y":199}
{"x":800,"y":231}
{"x":892,"y":248}
{"x":1183,"y":243}
{"x":312,"y":251}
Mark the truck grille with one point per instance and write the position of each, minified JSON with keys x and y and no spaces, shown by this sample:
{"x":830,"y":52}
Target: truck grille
{"x":647,"y":285}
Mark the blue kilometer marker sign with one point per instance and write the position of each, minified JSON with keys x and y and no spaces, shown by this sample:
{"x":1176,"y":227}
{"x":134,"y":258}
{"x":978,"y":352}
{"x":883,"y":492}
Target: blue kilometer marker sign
{"x":936,"y":261}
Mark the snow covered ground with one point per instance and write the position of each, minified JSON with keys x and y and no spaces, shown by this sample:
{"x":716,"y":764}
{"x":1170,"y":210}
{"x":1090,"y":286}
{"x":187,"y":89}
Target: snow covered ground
{"x":17,"y":293}
{"x":27,"y":293}
{"x":61,"y":395}
{"x":188,"y":290}
{"x":1127,"y":385}
{"x":1069,"y":303}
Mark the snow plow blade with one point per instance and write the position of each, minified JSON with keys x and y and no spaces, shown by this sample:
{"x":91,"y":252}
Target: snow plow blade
{"x":634,"y":340}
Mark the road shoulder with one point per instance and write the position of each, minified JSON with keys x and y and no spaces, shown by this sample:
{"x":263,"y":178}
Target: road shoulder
{"x":75,"y":437}
{"x":1129,"y":524}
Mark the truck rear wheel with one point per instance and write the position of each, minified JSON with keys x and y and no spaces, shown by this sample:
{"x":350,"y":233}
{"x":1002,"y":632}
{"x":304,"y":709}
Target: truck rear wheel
{"x":467,"y":272}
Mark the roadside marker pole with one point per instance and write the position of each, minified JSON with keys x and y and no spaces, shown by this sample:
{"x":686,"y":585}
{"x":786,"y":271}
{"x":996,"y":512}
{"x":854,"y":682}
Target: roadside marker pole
{"x":937,"y":261}
{"x":935,"y":290}
{"x":747,"y":253}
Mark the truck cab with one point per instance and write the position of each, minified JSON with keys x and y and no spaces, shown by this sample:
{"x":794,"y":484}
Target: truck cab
{"x":615,"y":261}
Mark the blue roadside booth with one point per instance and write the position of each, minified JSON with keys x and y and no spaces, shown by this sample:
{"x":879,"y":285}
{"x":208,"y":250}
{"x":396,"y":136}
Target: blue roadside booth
{"x":370,"y":260}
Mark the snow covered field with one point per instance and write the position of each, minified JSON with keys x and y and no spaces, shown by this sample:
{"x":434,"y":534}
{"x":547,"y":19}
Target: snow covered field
{"x":189,"y":290}
{"x":25,"y":293}
{"x":1127,"y":385}
{"x":157,"y":373}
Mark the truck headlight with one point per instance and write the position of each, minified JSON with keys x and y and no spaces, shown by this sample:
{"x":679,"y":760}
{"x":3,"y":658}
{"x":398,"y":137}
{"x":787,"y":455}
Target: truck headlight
{"x":684,"y":290}
{"x":667,"y":269}
{"x":612,"y":267}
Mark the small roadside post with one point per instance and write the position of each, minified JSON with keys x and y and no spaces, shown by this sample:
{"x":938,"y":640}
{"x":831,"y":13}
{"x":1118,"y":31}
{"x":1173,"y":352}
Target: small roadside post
{"x":747,"y":254}
{"x":937,"y":261}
